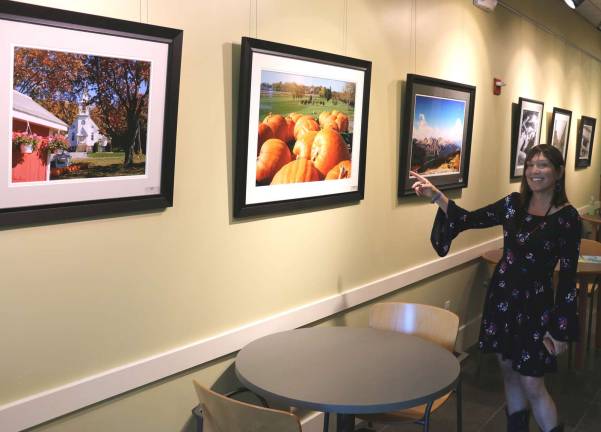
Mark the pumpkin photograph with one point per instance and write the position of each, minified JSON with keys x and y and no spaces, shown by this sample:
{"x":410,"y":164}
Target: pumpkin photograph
{"x":302,"y":128}
{"x":299,"y":110}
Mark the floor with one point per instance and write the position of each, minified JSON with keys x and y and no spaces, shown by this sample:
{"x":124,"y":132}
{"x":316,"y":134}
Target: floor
{"x":577,"y":394}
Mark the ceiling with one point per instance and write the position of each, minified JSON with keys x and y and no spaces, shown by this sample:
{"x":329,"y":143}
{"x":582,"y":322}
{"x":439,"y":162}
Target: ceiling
{"x":591,"y":11}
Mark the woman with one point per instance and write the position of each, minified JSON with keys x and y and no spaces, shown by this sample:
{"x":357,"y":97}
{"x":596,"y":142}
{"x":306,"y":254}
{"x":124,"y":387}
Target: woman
{"x":522,"y":322}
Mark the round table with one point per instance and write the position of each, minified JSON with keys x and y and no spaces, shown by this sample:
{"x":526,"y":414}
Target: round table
{"x":585,"y":274}
{"x":347,"y":370}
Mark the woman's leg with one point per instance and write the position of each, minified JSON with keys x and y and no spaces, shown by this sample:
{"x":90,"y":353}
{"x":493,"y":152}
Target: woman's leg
{"x":543,"y":407}
{"x":514,"y":393}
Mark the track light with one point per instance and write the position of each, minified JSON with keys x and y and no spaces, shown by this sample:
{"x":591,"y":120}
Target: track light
{"x":573,"y":4}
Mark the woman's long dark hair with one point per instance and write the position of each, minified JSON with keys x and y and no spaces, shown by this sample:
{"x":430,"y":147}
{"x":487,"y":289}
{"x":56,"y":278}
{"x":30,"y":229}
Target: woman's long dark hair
{"x":554,"y":156}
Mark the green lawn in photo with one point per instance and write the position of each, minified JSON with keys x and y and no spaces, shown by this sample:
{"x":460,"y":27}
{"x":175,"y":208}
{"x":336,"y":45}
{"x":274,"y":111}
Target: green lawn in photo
{"x":105,"y":164}
{"x":285,"y":104}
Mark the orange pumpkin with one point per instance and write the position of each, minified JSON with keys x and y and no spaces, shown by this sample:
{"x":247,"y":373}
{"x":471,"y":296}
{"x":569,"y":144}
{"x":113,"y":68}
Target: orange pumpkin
{"x":295,"y":116}
{"x":290,"y":130}
{"x":273,"y":156}
{"x":341,"y":171}
{"x":265,"y":133}
{"x":302,"y":147}
{"x":328,"y":149}
{"x":323,"y":116}
{"x":297,"y":171}
{"x":304,"y":124}
{"x":342,"y":122}
{"x":330,"y":123}
{"x":278,"y":126}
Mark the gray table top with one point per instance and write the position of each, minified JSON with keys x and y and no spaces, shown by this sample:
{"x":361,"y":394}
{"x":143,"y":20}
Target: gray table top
{"x":347,"y":370}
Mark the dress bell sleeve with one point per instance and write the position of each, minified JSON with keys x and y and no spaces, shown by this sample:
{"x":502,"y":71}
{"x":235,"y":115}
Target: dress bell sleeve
{"x":448,"y":225}
{"x":563,"y":324}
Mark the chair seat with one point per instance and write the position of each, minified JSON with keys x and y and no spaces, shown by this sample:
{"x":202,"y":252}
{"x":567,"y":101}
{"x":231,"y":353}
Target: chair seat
{"x":409,"y":415}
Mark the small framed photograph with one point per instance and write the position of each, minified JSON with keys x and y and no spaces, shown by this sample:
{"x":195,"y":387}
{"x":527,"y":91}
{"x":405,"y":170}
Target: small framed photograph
{"x":302,"y":128}
{"x":559,"y":132}
{"x":90,"y":111}
{"x":436,"y":133}
{"x":526,"y":134}
{"x":584,"y":141}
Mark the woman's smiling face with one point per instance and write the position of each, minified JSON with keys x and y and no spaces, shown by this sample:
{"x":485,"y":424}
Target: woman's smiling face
{"x":541,"y":175}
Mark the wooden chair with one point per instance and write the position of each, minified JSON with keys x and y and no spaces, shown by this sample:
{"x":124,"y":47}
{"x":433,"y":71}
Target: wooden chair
{"x":589,"y":247}
{"x":429,"y":322}
{"x":223,"y":414}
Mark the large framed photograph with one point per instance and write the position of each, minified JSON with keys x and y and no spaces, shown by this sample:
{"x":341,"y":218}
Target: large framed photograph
{"x":302,"y":128}
{"x":436,"y":133}
{"x":584,"y":141}
{"x":89,"y":114}
{"x":559,"y":132}
{"x":526,"y":134}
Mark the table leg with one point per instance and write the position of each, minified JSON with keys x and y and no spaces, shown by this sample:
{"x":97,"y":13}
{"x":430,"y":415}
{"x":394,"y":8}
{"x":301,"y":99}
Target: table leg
{"x":345,"y":423}
{"x":582,"y":316}
{"x":598,"y":326}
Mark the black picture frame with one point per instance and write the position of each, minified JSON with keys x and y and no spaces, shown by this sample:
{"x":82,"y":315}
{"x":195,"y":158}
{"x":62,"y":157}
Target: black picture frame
{"x":436,"y":133}
{"x":155,"y":50}
{"x":526,"y":134}
{"x":586,"y":132}
{"x":559,"y":130}
{"x":292,"y":82}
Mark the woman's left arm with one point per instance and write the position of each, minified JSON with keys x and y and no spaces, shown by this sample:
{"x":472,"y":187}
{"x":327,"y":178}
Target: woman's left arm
{"x":563,"y":325}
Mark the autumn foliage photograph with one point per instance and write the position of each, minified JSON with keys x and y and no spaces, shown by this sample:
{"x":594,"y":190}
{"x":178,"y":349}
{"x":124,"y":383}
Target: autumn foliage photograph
{"x":78,"y":116}
{"x":305,"y":130}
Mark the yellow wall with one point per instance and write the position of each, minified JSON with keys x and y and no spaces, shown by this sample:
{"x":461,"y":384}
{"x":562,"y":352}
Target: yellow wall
{"x":110,"y":291}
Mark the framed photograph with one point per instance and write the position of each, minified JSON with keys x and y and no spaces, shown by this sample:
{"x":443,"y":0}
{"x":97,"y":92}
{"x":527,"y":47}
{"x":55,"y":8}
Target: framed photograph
{"x":584,"y":142}
{"x":559,"y":132}
{"x":88,"y":114}
{"x":436,"y":134}
{"x":302,"y":128}
{"x":526,"y":134}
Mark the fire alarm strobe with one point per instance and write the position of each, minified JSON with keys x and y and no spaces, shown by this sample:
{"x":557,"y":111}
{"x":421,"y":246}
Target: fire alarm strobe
{"x":487,"y":5}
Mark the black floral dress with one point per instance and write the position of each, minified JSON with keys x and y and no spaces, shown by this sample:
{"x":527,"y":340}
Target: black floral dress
{"x":520,"y":306}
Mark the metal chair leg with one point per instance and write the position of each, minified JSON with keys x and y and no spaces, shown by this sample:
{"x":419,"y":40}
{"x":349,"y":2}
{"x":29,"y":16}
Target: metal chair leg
{"x":595,"y":287}
{"x":427,"y":416}
{"x":459,"y":397}
{"x":326,"y":421}
{"x":197,"y":412}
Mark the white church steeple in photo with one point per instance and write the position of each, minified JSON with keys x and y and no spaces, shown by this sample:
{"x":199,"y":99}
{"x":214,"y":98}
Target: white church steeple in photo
{"x":83,"y":132}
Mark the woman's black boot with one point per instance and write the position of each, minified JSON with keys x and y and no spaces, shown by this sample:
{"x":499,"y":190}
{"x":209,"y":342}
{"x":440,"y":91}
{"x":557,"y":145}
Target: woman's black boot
{"x":557,"y":428}
{"x":518,"y":421}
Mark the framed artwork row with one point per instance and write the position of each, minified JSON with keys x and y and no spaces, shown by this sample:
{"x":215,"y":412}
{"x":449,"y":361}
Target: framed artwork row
{"x":88,"y":114}
{"x":302,"y":128}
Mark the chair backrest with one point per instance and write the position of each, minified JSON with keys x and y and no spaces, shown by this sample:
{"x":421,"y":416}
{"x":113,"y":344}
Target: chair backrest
{"x":429,"y":322}
{"x":590,"y":247}
{"x":223,"y":414}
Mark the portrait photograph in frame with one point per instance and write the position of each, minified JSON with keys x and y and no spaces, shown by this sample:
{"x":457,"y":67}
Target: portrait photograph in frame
{"x":90,"y":112}
{"x":302,"y":128}
{"x":436,"y":133}
{"x":526,"y":133}
{"x":559,"y":132}
{"x":584,"y":141}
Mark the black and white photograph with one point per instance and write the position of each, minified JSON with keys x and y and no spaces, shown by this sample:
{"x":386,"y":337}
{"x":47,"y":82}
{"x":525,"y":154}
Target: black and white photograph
{"x":584,"y":143}
{"x":559,"y":132}
{"x":527,"y":134}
